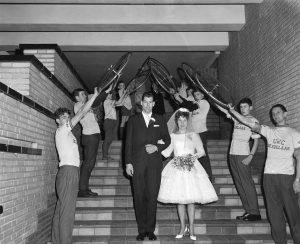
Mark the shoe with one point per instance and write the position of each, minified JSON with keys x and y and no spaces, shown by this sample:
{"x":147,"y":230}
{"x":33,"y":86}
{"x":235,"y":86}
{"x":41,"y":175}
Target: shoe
{"x":252,"y":217}
{"x":242,"y":216}
{"x":179,"y":236}
{"x":94,"y":194}
{"x":193,"y":238}
{"x":140,"y":236}
{"x":151,"y":236}
{"x":84,"y":194}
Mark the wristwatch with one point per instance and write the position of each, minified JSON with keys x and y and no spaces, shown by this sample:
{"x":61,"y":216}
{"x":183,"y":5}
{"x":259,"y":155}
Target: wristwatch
{"x":297,"y":179}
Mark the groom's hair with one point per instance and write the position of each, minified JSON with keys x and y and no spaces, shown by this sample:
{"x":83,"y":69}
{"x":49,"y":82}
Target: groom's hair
{"x":147,"y":94}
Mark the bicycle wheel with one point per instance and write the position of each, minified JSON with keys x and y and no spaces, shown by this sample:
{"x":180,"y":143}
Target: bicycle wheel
{"x":190,"y":73}
{"x":161,"y":75}
{"x":181,"y":73}
{"x":114,"y":72}
{"x":218,"y":92}
{"x":138,"y":81}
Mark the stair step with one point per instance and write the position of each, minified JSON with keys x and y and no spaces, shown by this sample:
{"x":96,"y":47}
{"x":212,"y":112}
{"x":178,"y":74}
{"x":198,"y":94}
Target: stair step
{"x":170,"y":227}
{"x":118,"y":164}
{"x":214,"y":156}
{"x":127,"y":201}
{"x":110,"y":218}
{"x":169,"y":239}
{"x":210,"y":148}
{"x":218,"y":142}
{"x":210,"y":142}
{"x":163,"y":213}
{"x":117,"y":180}
{"x":121,"y":189}
{"x":120,"y":171}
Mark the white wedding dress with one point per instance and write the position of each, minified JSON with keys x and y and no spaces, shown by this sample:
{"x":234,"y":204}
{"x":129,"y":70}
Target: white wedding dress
{"x":185,"y":185}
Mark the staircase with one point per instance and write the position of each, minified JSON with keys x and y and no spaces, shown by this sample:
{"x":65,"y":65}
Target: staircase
{"x":110,"y":217}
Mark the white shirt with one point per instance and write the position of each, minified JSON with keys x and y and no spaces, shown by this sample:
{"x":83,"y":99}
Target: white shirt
{"x":109,"y":109}
{"x":190,"y":98}
{"x":66,"y":145}
{"x":89,"y":123}
{"x":241,"y":136}
{"x":282,"y":142}
{"x":147,"y":118}
{"x":182,"y":92}
{"x":199,"y":116}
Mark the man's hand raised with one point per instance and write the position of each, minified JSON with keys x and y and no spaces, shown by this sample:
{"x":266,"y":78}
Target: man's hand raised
{"x":97,"y":91}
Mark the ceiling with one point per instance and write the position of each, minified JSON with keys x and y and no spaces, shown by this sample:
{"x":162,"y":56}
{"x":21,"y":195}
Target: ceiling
{"x":93,"y":34}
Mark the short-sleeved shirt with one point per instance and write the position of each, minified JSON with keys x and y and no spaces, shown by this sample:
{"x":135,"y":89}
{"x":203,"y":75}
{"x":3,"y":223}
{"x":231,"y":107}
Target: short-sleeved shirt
{"x":66,"y":145}
{"x":200,"y":115}
{"x":109,"y":109}
{"x":241,"y":136}
{"x":282,"y":142}
{"x":89,"y":123}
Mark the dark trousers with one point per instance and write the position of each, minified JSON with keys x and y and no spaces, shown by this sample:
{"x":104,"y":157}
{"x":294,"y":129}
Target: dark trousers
{"x":244,"y":183}
{"x":109,"y":128}
{"x":146,"y":183}
{"x":90,"y":145}
{"x":205,"y":162}
{"x":281,"y":199}
{"x":64,"y":214}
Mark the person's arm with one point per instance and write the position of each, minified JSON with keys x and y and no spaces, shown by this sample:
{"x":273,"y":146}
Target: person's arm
{"x":198,"y":145}
{"x":85,"y":108}
{"x":128,"y":147}
{"x":190,"y":105}
{"x":249,"y":158}
{"x":102,"y":96}
{"x":246,"y":121}
{"x":121,"y":101}
{"x":296,"y":184}
{"x":225,"y":111}
{"x":178,"y":98}
{"x":167,"y":152}
{"x":164,"y":136}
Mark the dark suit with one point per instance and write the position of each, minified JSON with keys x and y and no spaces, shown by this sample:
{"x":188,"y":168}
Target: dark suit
{"x":147,"y":167}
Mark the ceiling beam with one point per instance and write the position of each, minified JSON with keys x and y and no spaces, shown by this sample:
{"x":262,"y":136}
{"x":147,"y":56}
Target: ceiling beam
{"x":121,"y":17}
{"x":120,"y":41}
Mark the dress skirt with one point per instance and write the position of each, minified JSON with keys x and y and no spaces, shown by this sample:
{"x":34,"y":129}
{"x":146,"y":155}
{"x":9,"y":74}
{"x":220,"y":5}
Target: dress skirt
{"x":185,"y":186}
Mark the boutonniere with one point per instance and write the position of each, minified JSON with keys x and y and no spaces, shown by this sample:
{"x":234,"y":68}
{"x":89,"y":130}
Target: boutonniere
{"x":152,"y":119}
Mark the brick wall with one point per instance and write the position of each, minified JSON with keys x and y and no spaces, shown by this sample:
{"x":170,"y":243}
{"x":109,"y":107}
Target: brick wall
{"x":16,"y":76}
{"x":263,"y":62}
{"x":54,"y":63}
{"x":27,"y":182}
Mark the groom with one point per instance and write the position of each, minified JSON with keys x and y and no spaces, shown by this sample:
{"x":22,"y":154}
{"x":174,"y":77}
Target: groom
{"x":144,"y":163}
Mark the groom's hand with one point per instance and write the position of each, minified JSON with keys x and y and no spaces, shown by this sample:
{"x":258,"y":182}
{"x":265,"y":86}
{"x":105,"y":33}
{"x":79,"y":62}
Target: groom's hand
{"x":150,"y":148}
{"x":129,"y":169}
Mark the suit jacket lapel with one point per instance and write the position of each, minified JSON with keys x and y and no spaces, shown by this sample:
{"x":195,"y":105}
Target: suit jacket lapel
{"x":142,"y":120}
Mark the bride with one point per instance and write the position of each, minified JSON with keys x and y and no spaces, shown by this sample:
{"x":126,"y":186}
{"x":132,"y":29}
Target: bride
{"x":184,"y":181}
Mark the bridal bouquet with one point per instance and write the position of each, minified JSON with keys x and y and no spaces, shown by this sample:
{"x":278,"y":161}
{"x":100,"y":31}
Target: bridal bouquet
{"x":184,"y":163}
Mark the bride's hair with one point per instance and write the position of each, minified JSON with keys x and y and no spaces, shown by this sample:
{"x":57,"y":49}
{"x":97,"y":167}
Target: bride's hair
{"x":181,"y":113}
{"x":173,"y":121}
